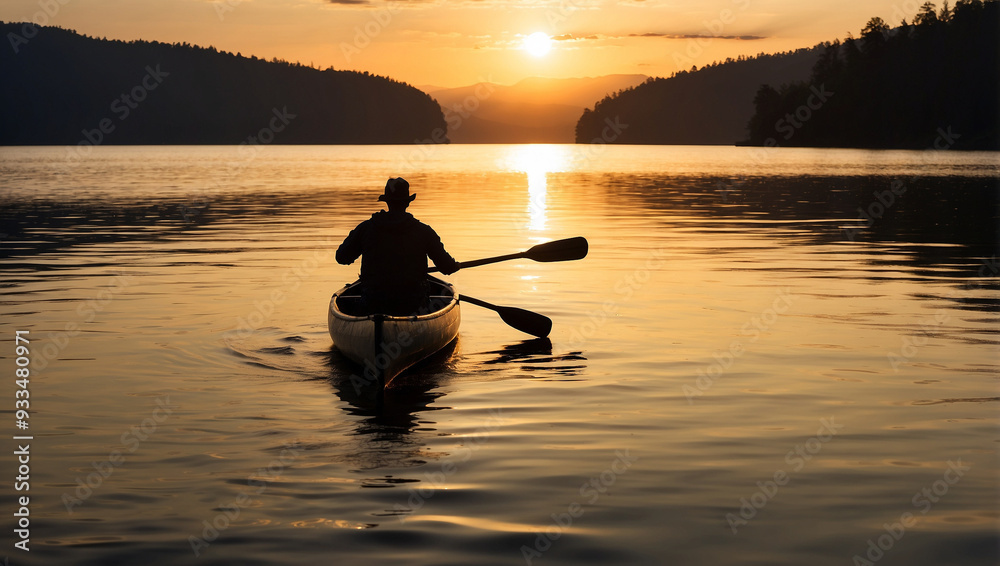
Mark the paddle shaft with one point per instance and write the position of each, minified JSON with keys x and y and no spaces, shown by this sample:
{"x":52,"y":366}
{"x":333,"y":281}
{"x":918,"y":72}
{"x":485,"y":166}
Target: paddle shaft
{"x":477,"y":302}
{"x":559,"y":250}
{"x":485,"y":261}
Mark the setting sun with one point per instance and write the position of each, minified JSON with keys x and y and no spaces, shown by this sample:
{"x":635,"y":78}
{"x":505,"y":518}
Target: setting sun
{"x":538,"y":44}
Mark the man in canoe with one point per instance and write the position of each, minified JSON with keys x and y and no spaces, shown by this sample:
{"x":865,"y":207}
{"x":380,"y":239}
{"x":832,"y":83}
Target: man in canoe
{"x":394,"y":247}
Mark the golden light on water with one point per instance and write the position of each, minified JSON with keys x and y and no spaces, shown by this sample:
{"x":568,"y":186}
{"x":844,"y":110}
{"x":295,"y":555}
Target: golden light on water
{"x":743,"y":326}
{"x":537,"y":161}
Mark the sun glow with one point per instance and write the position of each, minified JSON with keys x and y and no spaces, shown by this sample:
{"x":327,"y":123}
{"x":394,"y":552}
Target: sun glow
{"x":538,"y":44}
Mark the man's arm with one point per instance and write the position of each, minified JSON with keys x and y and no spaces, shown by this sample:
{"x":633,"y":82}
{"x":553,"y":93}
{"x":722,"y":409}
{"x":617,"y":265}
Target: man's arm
{"x":350,"y":250}
{"x":435,"y":250}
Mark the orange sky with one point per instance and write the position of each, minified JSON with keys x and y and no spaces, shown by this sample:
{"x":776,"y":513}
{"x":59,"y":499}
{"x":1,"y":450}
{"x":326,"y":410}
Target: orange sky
{"x":455,"y":43}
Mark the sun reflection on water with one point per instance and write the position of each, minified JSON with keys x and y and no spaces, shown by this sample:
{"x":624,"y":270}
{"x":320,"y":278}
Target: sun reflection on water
{"x":537,"y":161}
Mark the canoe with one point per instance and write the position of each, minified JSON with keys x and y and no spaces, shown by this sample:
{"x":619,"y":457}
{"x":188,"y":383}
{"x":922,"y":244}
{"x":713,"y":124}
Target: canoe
{"x":387,"y":345}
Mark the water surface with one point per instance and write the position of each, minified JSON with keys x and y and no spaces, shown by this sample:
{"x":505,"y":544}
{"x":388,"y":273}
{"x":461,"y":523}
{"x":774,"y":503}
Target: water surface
{"x":746,"y":369}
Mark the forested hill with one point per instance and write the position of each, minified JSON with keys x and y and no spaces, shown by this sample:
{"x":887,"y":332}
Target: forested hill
{"x":64,"y":88}
{"x":710,"y":105}
{"x":929,"y":83}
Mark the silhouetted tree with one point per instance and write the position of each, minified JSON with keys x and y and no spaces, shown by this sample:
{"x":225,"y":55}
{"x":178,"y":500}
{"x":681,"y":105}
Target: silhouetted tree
{"x":903,"y":89}
{"x":926,"y":15}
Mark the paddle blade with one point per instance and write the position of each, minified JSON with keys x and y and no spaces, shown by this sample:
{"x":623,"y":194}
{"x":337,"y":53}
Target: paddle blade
{"x":526,"y":321}
{"x":559,"y":250}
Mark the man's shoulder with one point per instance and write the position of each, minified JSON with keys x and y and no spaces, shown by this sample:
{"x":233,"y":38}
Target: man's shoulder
{"x":363,"y":225}
{"x":423,"y":227}
{"x":375,"y":218}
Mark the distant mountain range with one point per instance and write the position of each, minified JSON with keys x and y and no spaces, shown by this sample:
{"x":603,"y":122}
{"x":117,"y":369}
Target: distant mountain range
{"x":63,"y":88}
{"x":534,"y":110}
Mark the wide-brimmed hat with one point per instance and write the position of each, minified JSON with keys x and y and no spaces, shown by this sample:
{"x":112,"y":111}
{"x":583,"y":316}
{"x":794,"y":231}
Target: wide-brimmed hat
{"x":397,"y":190}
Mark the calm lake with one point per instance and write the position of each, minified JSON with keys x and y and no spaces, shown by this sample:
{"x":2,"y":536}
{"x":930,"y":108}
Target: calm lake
{"x":781,"y":356}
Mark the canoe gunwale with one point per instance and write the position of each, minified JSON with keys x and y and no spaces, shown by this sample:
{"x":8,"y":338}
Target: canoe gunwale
{"x":336,"y":312}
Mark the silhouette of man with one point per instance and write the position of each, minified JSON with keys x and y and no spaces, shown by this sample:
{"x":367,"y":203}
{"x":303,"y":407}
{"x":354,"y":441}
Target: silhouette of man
{"x":394,"y":247}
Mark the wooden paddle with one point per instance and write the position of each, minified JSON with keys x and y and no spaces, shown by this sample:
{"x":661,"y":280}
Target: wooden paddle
{"x":559,"y":250}
{"x":523,"y":320}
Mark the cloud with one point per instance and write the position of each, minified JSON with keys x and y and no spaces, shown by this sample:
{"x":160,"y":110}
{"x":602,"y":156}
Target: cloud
{"x":571,"y":37}
{"x":601,"y":36}
{"x":696,"y":36}
{"x":397,"y":4}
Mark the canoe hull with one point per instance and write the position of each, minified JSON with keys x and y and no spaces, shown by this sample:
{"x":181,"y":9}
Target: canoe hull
{"x":384,"y":345}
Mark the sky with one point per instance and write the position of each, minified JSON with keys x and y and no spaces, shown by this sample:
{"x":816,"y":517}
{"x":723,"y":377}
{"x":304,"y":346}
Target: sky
{"x":450,"y":43}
